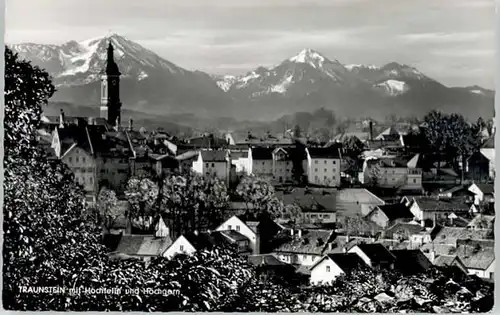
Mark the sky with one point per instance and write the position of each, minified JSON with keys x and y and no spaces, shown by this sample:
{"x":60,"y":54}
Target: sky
{"x":451,"y":41}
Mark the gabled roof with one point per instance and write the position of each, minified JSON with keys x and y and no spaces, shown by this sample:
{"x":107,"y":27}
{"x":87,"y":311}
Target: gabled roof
{"x":324,"y":153}
{"x":480,"y":219}
{"x":262,"y":153}
{"x":446,"y":260}
{"x":345,"y":261}
{"x":202,"y":240}
{"x":376,"y":252}
{"x":489,"y":144}
{"x":187,"y":155}
{"x":395,"y":211}
{"x":408,"y":228}
{"x":307,"y":243}
{"x":476,"y":257}
{"x":234,"y":235}
{"x":143,"y":245}
{"x":434,"y":204}
{"x":213,"y":155}
{"x":450,"y":235}
{"x":411,"y":261}
{"x":487,"y":189}
{"x":265,"y":260}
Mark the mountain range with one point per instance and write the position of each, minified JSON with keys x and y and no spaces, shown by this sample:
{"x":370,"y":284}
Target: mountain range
{"x":305,"y":82}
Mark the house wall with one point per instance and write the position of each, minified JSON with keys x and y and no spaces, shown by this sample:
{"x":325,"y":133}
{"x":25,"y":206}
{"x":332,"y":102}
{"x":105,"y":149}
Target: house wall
{"x":115,"y":170}
{"x":417,"y":212}
{"x":325,"y":272}
{"x":320,"y":217}
{"x":362,"y":255}
{"x":83,"y":165}
{"x":298,"y":259}
{"x":218,"y":169}
{"x":243,"y":165}
{"x":236,"y":224}
{"x":161,"y":229}
{"x":396,"y":177}
{"x":197,"y":166}
{"x":480,"y":168}
{"x":324,"y":172}
{"x":378,"y":217}
{"x":180,"y":245}
{"x":282,"y":171}
{"x":489,"y":273}
{"x":478,"y":194}
{"x":262,"y":168}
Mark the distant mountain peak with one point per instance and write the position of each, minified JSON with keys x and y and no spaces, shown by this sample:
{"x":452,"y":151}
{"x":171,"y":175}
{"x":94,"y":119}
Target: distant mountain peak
{"x":309,"y":56}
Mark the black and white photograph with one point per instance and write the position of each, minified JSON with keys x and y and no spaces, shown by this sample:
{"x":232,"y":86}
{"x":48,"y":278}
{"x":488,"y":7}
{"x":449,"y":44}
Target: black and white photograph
{"x":249,"y":156}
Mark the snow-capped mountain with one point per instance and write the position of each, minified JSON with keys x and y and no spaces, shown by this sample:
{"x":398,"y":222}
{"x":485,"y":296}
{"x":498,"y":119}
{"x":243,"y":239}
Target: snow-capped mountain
{"x":149,"y":81}
{"x":303,"y":82}
{"x":78,"y":63}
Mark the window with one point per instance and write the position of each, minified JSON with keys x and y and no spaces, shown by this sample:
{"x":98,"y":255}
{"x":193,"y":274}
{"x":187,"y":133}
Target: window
{"x":76,"y":159}
{"x":213,"y":164}
{"x":181,"y":248}
{"x":91,"y":179}
{"x":229,"y":227}
{"x":70,"y":159}
{"x":327,"y":268}
{"x":206,"y":165}
{"x":325,"y":170}
{"x":237,"y":228}
{"x":414,"y":180}
{"x":324,"y":177}
{"x":334,"y":162}
{"x":83,"y":159}
{"x":326,"y":216}
{"x":315,"y":169}
{"x":316,"y":178}
{"x":325,"y":162}
{"x":263,"y":163}
{"x":316,"y":162}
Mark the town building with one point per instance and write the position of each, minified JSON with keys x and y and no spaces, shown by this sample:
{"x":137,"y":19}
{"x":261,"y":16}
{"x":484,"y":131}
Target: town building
{"x":330,"y":266}
{"x":323,"y":166}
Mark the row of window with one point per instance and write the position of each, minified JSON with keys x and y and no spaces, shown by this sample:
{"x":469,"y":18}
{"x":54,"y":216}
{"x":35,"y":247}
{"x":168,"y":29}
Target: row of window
{"x":326,"y":162}
{"x":229,"y":227}
{"x":325,"y":170}
{"x":321,"y":216}
{"x":316,"y":178}
{"x":85,"y":180}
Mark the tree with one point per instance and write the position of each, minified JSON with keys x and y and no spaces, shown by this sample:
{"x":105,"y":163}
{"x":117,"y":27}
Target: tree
{"x":107,"y":204}
{"x":292,"y":212}
{"x":375,"y":174}
{"x":297,"y":132}
{"x":259,"y":196}
{"x":452,"y":138}
{"x":192,"y":201}
{"x":352,"y":148}
{"x":141,"y":194}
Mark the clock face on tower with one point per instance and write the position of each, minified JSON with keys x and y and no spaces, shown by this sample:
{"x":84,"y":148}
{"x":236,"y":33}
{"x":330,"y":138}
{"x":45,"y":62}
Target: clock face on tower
{"x":113,"y":82}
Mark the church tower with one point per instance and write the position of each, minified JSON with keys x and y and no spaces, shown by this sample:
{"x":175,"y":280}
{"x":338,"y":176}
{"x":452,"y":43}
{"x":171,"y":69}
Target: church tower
{"x":110,"y":90}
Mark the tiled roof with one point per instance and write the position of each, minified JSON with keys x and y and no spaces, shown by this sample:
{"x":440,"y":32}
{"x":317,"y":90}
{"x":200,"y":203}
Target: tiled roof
{"x":307,"y":243}
{"x":489,"y":144}
{"x":110,"y":143}
{"x":187,"y":155}
{"x":265,"y":260}
{"x":143,"y":245}
{"x":252,"y":225}
{"x":376,"y":252}
{"x":478,"y":219}
{"x":450,"y":235}
{"x":324,"y":153}
{"x":487,"y":189}
{"x":234,"y":235}
{"x":445,"y":260}
{"x":396,"y":211}
{"x":73,"y":134}
{"x":476,"y":258}
{"x":400,"y":227}
{"x":202,"y":240}
{"x":213,"y":156}
{"x":347,"y":261}
{"x":446,"y":205}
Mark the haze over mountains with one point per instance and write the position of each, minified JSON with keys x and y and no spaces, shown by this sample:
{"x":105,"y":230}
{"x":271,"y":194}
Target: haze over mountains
{"x":304,"y":82}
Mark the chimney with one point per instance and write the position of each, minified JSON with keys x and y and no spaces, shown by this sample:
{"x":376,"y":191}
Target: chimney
{"x":299,"y":233}
{"x":157,"y":142}
{"x":331,"y":245}
{"x":130,"y":124}
{"x":291,"y":232}
{"x":371,"y":130}
{"x":61,"y":119}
